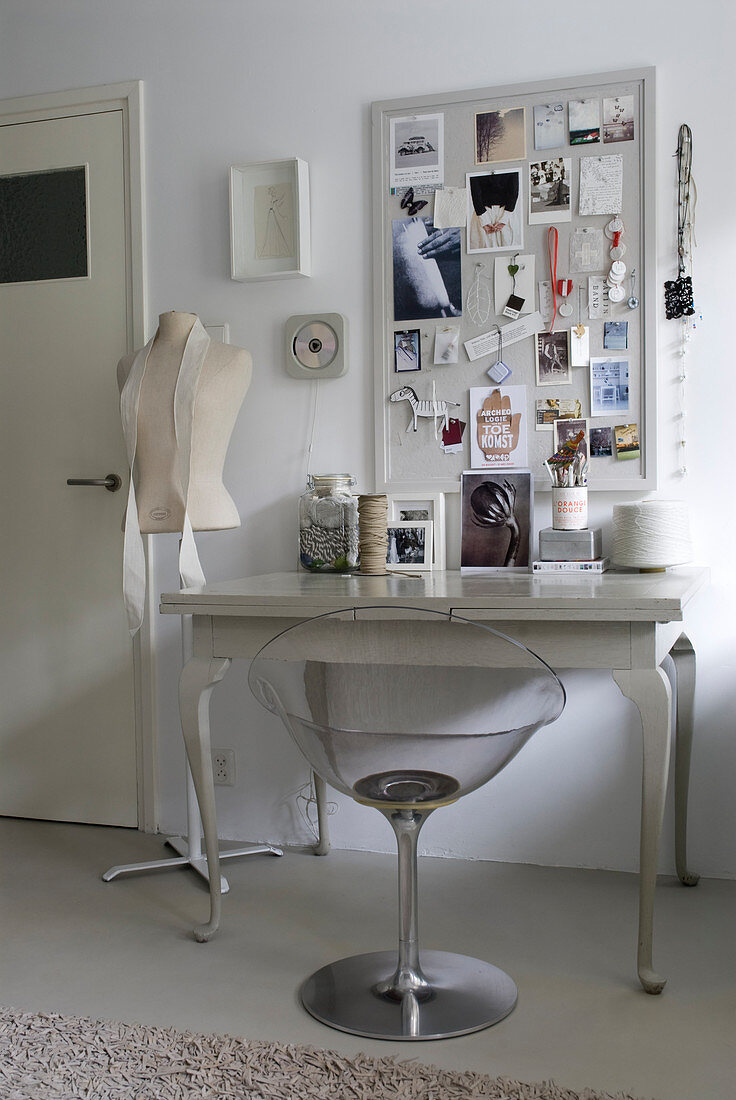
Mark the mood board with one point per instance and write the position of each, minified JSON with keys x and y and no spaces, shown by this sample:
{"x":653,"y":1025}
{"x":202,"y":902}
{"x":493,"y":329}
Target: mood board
{"x":528,"y":209}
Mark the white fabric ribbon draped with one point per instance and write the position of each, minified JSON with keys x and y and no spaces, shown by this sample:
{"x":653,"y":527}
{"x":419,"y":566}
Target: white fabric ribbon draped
{"x":134,"y":561}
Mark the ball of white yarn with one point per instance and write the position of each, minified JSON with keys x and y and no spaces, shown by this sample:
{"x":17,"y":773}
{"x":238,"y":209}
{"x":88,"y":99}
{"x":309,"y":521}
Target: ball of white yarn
{"x":651,"y":534}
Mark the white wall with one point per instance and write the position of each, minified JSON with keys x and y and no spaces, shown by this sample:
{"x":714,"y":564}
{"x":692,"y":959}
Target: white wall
{"x":230,"y":81}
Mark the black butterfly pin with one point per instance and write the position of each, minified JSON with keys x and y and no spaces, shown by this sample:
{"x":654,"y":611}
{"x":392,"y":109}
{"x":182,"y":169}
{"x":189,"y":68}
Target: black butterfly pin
{"x":411,"y":205}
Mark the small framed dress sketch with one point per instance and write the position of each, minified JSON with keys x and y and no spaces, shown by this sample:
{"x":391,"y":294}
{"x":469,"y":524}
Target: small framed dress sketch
{"x":269,"y":220}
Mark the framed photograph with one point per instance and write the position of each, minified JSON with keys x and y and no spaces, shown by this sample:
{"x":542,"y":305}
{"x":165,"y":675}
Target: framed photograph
{"x":409,"y":545}
{"x":495,"y":222}
{"x":407,"y":350}
{"x":497,"y":520}
{"x":269,"y":220}
{"x":423,"y":508}
{"x":569,"y":429}
{"x":553,"y":358}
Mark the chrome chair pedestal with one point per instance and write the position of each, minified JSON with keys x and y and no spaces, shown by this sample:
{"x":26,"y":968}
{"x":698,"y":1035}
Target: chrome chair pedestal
{"x":382,"y":995}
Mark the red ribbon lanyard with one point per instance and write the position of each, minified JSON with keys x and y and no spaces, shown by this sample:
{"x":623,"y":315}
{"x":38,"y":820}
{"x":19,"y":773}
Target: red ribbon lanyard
{"x":553,"y":235}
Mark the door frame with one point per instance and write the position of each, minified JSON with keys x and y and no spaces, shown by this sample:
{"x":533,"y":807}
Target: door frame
{"x":127,"y":98}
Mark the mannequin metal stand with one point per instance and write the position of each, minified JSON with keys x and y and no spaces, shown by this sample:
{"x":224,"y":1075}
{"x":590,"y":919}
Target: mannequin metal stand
{"x":189,"y":848}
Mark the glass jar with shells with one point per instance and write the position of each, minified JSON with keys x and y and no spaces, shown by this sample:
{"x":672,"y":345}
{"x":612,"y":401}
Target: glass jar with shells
{"x":328,"y":524}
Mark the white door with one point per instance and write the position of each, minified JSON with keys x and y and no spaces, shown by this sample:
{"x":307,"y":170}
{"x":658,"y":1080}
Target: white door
{"x":67,"y":715}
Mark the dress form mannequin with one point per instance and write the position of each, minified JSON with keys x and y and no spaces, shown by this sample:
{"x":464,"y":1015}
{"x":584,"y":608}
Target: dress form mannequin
{"x":223,"y":383}
{"x":179,"y":408}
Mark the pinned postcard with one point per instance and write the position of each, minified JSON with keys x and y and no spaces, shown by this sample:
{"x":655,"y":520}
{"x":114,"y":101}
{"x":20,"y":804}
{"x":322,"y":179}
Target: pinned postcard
{"x":417,"y":150}
{"x":618,"y":119}
{"x":609,"y":386}
{"x":513,"y":277}
{"x":487,"y":344}
{"x":601,"y":442}
{"x":568,"y":429}
{"x":584,"y":120}
{"x":601,"y":185}
{"x":616,"y":335}
{"x":579,"y":346}
{"x":546,"y":306}
{"x":498,"y":419}
{"x":452,"y":436}
{"x":407,"y":350}
{"x":495,"y":217}
{"x":598,"y":303}
{"x":500,"y":135}
{"x":549,"y":191}
{"x":553,"y":359}
{"x":446,"y":345}
{"x":450,"y":207}
{"x":626,"y":437}
{"x":550,"y":409}
{"x":549,"y":126}
{"x":587,"y":249}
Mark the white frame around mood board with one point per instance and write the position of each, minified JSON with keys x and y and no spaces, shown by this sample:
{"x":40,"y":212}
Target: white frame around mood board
{"x":414,"y":462}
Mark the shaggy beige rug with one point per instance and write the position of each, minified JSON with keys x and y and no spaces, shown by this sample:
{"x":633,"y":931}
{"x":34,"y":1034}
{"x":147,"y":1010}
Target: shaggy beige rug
{"x":48,"y":1057}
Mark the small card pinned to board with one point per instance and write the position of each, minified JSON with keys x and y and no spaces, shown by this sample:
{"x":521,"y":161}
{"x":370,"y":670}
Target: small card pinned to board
{"x":513,"y":277}
{"x":579,"y":346}
{"x":452,"y":436}
{"x":450,"y":207}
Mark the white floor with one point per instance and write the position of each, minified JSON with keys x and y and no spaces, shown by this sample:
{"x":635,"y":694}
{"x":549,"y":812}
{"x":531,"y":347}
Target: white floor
{"x":123,"y":950}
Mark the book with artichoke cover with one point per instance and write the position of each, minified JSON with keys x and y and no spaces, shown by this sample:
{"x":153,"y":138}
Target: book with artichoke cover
{"x":497,"y":520}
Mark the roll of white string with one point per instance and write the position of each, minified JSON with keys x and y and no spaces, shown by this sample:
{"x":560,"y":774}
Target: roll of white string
{"x":373,"y":533}
{"x":651,"y":534}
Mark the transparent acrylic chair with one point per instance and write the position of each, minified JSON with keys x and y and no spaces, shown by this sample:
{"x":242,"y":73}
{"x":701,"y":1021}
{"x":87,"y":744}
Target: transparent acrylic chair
{"x":406,"y":711}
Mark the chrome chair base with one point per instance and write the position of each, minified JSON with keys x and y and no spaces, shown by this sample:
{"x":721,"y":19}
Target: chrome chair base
{"x":466,"y":995}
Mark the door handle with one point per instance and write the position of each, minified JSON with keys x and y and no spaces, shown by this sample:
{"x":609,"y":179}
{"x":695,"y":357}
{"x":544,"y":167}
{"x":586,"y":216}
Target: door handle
{"x":112,"y":482}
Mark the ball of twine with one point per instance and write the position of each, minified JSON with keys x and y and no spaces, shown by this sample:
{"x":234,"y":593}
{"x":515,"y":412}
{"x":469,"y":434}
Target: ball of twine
{"x":651,"y":534}
{"x":373,"y":533}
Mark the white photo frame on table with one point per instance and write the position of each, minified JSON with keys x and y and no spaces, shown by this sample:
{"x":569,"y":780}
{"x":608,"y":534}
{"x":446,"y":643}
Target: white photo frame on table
{"x":433,"y":504}
{"x":410,"y":545}
{"x":269,"y":220}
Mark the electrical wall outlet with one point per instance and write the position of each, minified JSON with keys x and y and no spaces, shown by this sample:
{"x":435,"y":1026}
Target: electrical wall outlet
{"x":223,"y":766}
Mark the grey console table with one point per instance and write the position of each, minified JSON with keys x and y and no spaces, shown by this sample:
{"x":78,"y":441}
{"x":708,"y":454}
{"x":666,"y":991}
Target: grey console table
{"x":627,"y":622}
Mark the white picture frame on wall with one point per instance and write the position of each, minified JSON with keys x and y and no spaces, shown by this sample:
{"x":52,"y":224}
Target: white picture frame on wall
{"x":269,"y":220}
{"x":419,"y":508}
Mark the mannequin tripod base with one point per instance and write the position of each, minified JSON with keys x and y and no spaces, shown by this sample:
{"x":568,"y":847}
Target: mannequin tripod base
{"x":466,"y":995}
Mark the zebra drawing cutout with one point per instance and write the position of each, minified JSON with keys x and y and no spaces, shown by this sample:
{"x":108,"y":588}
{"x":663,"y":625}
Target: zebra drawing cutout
{"x":434,"y":408}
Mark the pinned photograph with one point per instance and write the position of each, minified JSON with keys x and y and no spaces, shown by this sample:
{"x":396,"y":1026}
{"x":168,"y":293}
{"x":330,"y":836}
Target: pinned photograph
{"x":513,"y":278}
{"x":417,"y":150}
{"x":609,"y":386}
{"x":500,"y":135}
{"x":496,"y":521}
{"x":426,"y":270}
{"x":452,"y":436}
{"x":553,"y":359}
{"x":407,"y":350}
{"x":615,"y":335}
{"x":549,"y":191}
{"x":584,"y":120}
{"x":498,"y":433}
{"x":409,"y":545}
{"x":446,"y":345}
{"x":570,"y":429}
{"x":549,"y":126}
{"x":550,"y":409}
{"x":601,"y":442}
{"x":494,"y":210}
{"x":626,"y":437}
{"x":618,"y":119}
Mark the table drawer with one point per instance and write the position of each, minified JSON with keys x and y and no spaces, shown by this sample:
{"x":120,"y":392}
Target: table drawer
{"x":584,"y":644}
